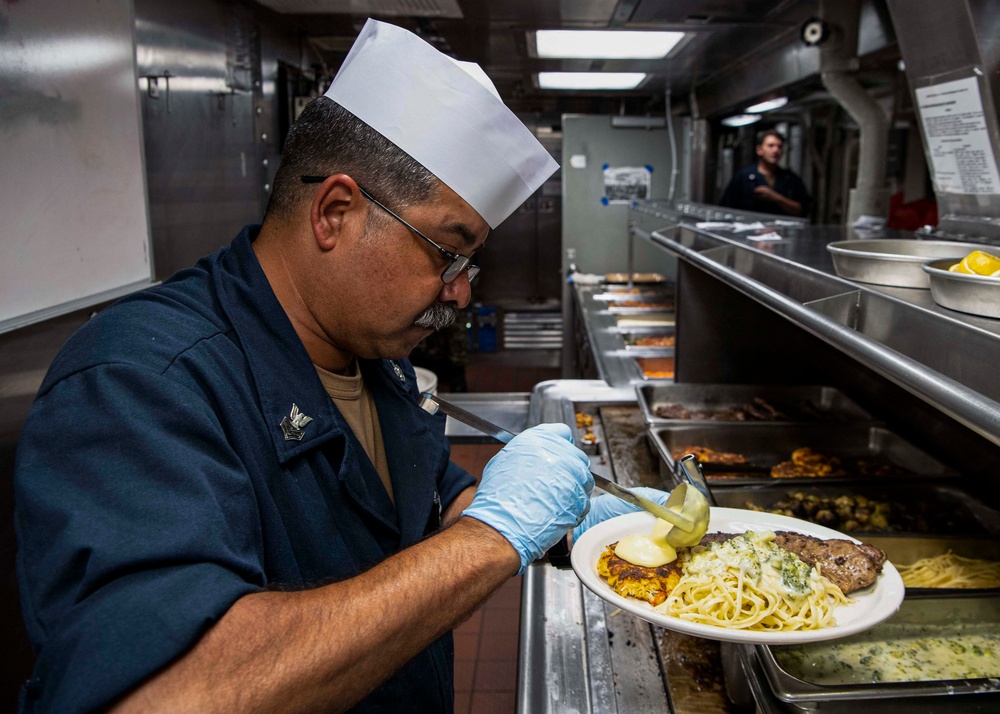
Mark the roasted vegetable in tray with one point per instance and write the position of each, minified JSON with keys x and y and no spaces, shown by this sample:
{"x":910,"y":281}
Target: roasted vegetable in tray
{"x":848,"y":512}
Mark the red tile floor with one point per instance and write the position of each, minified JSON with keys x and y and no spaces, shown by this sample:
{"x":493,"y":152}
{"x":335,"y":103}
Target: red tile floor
{"x":486,"y":644}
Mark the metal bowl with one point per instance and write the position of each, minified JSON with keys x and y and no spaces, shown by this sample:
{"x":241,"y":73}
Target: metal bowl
{"x":974,"y":294}
{"x":894,"y":262}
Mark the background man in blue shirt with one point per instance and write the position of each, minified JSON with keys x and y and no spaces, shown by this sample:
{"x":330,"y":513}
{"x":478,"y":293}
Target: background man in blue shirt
{"x":766,"y":187}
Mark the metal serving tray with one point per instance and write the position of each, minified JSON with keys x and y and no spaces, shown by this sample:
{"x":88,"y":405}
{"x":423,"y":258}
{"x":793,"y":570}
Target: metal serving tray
{"x":896,"y":262}
{"x":942,"y":507}
{"x":658,"y":363}
{"x":767,"y":444}
{"x":645,"y":295}
{"x":637,"y":278}
{"x":915,"y":613}
{"x":974,"y":294}
{"x":663,"y":307}
{"x":801,"y":403}
{"x":630,"y":336}
{"x":645,"y":319}
{"x":908,"y":549}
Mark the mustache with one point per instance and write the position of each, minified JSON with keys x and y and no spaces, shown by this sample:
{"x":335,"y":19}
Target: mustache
{"x":436,"y":317}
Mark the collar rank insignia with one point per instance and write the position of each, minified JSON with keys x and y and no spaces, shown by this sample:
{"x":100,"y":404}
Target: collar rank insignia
{"x":399,"y":372}
{"x":294,"y":424}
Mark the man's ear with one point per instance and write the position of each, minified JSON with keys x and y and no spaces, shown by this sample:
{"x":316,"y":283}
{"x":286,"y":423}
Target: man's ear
{"x":337,"y":209}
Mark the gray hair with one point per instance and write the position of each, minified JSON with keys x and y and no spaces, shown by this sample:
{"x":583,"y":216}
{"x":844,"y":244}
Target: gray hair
{"x":327,"y":139}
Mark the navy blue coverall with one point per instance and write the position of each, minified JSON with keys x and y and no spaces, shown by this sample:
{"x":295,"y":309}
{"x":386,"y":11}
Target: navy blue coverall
{"x":155,"y":485}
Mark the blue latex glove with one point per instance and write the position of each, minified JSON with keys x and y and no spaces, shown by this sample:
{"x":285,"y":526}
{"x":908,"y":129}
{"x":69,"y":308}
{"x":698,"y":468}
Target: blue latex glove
{"x":534,"y":490}
{"x":607,"y":506}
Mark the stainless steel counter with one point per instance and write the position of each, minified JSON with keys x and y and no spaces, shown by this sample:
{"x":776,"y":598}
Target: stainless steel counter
{"x":574,"y":656}
{"x":578,"y":653}
{"x":579,"y":656}
{"x":945,"y":358}
{"x":506,"y":409}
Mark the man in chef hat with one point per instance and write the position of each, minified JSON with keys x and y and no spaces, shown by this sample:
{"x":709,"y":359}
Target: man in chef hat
{"x":245,"y":507}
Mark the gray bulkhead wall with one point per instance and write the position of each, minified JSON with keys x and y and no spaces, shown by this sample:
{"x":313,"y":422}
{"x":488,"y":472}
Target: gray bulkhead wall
{"x":597,"y":234}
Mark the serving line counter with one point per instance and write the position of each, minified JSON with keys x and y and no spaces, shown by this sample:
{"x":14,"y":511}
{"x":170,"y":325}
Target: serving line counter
{"x":577,"y":654}
{"x":749,"y":312}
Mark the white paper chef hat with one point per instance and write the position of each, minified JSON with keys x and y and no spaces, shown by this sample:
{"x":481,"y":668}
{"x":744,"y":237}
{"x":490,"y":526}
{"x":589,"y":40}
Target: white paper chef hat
{"x":444,"y":113}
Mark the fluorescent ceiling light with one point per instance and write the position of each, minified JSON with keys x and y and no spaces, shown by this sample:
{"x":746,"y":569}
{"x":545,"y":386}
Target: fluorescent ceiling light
{"x":767,"y":106}
{"x":605,"y":44}
{"x":590,"y":80}
{"x":741,"y":120}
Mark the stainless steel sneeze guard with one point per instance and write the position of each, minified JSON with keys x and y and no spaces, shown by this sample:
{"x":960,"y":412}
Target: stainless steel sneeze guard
{"x":807,"y":310}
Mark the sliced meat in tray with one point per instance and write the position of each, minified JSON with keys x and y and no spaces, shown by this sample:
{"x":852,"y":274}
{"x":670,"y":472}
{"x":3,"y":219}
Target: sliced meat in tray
{"x":746,"y":403}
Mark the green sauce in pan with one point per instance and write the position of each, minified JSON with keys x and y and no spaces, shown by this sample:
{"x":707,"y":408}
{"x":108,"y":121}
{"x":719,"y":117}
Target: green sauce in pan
{"x":898,"y":653}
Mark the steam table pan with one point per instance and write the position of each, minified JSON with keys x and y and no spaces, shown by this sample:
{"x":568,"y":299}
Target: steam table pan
{"x":765,"y":445}
{"x":796,"y":403}
{"x":923,"y":507}
{"x":952,"y":617}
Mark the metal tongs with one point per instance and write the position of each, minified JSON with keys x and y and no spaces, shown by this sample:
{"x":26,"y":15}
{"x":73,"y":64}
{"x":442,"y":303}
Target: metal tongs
{"x":431,"y":403}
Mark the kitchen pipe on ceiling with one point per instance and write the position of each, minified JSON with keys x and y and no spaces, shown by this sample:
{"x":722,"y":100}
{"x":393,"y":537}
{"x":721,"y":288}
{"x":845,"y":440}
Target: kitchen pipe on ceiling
{"x":838,"y":41}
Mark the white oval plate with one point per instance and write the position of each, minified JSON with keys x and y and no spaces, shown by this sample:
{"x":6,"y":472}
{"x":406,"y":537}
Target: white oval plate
{"x":871,"y":605}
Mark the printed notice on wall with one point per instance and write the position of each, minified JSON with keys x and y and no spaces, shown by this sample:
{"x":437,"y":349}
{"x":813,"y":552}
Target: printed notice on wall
{"x":626,"y":184}
{"x":957,"y":139}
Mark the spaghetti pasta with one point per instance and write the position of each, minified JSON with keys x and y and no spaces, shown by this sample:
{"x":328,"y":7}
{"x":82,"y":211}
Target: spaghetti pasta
{"x":951,"y":571}
{"x":749,"y":583}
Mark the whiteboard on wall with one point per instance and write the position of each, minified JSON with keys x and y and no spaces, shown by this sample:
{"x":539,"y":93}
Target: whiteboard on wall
{"x":73,"y":205}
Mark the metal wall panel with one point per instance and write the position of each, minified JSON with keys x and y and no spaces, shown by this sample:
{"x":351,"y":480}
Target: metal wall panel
{"x":521,"y":260}
{"x":598,"y":233}
{"x":198,"y":130}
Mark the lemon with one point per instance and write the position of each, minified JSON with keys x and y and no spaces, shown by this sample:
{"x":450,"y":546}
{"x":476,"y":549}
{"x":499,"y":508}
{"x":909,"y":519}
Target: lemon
{"x":958,"y":268}
{"x":979,"y":263}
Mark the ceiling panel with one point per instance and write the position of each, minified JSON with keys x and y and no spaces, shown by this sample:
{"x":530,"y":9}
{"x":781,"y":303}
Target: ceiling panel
{"x":729,"y":40}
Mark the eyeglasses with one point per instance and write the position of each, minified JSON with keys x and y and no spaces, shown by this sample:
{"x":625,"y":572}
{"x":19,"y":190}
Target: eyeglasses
{"x":457,"y":263}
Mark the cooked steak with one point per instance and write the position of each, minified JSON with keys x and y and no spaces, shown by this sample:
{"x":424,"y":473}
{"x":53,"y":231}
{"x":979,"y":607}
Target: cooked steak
{"x":672,"y":411}
{"x":716,"y":538}
{"x":760,"y":410}
{"x":850,"y":566}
